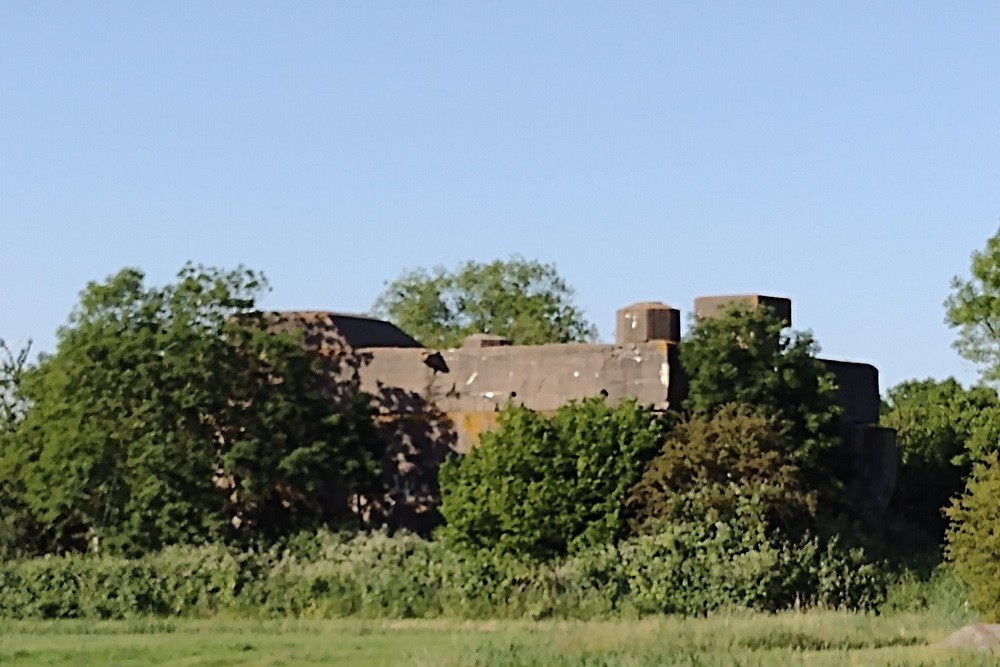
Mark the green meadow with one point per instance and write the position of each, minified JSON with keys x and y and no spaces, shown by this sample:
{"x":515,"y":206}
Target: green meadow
{"x":812,"y":638}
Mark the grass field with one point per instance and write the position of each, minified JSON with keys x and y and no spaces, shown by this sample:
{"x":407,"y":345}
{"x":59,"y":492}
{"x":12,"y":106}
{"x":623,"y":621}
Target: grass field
{"x":815,"y":638}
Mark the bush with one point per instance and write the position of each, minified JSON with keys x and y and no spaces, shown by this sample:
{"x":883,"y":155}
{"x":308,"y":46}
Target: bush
{"x":973,"y":539}
{"x":939,"y":593}
{"x":708,"y":463}
{"x":692,"y":567}
{"x":540,"y":487}
{"x":745,"y":357}
{"x":701,"y":566}
{"x":179,"y":581}
{"x":366,"y":575}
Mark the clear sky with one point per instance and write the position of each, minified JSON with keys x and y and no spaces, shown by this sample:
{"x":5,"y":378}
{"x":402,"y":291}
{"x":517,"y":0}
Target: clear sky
{"x":844,"y":154}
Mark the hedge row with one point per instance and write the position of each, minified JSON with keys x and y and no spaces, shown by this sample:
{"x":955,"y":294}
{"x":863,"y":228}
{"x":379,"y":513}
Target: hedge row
{"x":684,"y":569}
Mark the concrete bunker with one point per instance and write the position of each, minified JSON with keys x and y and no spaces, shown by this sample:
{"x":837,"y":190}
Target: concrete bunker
{"x":431,"y":403}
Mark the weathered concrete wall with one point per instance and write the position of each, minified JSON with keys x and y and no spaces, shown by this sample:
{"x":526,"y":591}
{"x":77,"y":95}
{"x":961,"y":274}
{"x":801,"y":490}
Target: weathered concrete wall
{"x":470,"y":384}
{"x":433,"y":404}
{"x":857,"y":390}
{"x":874,"y":459}
{"x":647,"y":321}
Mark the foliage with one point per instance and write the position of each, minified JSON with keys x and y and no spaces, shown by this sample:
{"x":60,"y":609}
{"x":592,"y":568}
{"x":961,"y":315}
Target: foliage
{"x":702,"y":565}
{"x":178,"y":581}
{"x":941,"y":427}
{"x":974,"y":309}
{"x":19,"y":534}
{"x":746,"y":357}
{"x":941,"y":422}
{"x":973,"y":539}
{"x":939,"y":593}
{"x":708,"y":463}
{"x":540,"y":486}
{"x":13,"y":362}
{"x":177,"y":414}
{"x":691,"y":567}
{"x":524,"y":301}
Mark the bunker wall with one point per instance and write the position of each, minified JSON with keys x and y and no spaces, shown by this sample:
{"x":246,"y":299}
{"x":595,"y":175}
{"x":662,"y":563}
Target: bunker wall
{"x":471,"y":384}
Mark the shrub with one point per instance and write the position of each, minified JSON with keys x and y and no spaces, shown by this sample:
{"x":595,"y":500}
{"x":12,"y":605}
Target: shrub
{"x":179,"y":581}
{"x":973,"y":541}
{"x":938,"y":593}
{"x":708,"y":463}
{"x":540,"y":486}
{"x":697,"y":566}
{"x":746,"y":357}
{"x":691,"y":567}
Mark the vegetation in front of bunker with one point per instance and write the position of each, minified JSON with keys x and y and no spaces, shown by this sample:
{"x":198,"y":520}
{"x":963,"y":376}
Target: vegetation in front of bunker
{"x":726,"y":507}
{"x":693,"y":568}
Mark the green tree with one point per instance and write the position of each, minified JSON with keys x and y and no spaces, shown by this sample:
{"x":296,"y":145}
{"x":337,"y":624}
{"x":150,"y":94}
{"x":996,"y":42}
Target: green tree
{"x":539,"y":486}
{"x":973,"y":539}
{"x":13,"y":362}
{"x":746,"y":357}
{"x":710,"y":463}
{"x":941,"y":428}
{"x":179,"y":414}
{"x":525,"y":301}
{"x":974,"y":309}
{"x":19,"y":534}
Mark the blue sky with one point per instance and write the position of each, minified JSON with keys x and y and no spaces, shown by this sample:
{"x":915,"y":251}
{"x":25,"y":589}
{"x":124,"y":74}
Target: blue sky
{"x":844,"y":154}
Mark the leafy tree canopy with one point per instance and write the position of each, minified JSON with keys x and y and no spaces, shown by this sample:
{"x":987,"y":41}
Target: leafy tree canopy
{"x":746,"y":357}
{"x":941,"y":423}
{"x":18,"y":532}
{"x":177,"y":414}
{"x":974,"y":309}
{"x":541,"y":486}
{"x":13,"y":363}
{"x":973,"y":539}
{"x":941,"y":428}
{"x":524,"y":301}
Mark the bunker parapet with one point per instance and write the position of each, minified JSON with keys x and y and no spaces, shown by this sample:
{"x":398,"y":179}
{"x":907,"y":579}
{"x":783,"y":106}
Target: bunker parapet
{"x":431,"y":403}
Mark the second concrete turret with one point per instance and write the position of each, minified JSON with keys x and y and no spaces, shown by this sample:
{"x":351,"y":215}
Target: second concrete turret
{"x":647,"y":320}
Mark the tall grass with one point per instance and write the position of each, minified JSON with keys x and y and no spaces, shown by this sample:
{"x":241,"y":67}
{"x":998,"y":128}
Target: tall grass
{"x":788,"y":638}
{"x":695,"y":571}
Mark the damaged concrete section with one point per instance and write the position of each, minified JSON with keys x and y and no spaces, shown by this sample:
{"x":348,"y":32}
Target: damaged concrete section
{"x":432,"y":403}
{"x":480,"y":380}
